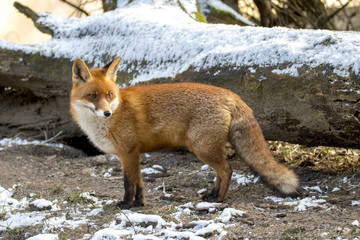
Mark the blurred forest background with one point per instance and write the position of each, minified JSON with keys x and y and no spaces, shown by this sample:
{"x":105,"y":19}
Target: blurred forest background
{"x":341,"y":15}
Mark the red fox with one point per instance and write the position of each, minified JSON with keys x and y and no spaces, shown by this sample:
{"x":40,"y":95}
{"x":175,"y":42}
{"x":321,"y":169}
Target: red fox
{"x":140,"y":119}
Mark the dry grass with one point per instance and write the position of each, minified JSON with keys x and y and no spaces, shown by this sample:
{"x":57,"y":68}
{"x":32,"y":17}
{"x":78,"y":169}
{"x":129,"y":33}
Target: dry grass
{"x":320,"y":158}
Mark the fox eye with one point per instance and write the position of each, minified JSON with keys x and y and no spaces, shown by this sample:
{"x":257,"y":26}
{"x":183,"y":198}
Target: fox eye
{"x":110,"y":95}
{"x":93,"y":95}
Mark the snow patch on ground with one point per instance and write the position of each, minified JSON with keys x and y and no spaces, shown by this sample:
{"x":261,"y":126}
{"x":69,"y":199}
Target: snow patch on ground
{"x":243,"y":179}
{"x":355,"y":223}
{"x":134,"y":225}
{"x":300,"y":204}
{"x":21,"y":219}
{"x":229,"y":213}
{"x":149,"y":171}
{"x":128,"y":224}
{"x":10,"y":142}
{"x":44,"y":237}
{"x":155,"y":169}
{"x":108,"y":173}
{"x":42,"y":204}
{"x":7,"y":203}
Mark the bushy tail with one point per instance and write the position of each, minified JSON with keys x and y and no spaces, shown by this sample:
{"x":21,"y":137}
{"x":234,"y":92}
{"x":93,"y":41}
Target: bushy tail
{"x":248,"y":141}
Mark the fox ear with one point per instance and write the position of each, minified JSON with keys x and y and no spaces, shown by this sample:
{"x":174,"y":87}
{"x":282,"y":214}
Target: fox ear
{"x":111,"y":69}
{"x":80,"y":72}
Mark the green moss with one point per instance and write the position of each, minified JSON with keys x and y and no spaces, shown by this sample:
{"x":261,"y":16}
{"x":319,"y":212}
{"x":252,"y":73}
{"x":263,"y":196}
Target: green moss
{"x":225,"y":13}
{"x":199,"y":17}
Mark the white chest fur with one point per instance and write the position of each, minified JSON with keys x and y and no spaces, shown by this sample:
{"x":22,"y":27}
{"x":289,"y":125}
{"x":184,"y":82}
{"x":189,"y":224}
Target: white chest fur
{"x":94,"y":127}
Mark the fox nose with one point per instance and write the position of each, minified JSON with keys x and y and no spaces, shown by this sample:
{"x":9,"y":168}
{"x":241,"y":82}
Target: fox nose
{"x":107,"y":114}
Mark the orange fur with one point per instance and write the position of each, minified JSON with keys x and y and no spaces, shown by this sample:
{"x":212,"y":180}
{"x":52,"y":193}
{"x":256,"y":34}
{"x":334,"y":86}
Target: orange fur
{"x":201,"y":117}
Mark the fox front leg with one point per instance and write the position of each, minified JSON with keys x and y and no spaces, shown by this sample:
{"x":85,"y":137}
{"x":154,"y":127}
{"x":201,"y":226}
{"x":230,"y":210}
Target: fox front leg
{"x":133,"y":184}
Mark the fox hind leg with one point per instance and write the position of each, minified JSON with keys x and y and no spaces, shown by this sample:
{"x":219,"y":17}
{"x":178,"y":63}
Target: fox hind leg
{"x":214,"y":156}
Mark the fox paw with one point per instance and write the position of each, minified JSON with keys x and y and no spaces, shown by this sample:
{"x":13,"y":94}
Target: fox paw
{"x":124,"y":205}
{"x":138,"y":203}
{"x":210,"y":197}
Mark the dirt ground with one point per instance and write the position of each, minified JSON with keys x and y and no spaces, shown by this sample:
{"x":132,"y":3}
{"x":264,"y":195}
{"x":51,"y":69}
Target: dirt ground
{"x":61,"y":173}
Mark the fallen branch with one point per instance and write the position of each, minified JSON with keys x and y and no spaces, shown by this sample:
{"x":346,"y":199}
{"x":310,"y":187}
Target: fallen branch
{"x":34,"y":17}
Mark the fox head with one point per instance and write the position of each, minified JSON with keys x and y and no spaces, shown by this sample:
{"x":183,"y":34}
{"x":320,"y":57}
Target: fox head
{"x":94,"y":90}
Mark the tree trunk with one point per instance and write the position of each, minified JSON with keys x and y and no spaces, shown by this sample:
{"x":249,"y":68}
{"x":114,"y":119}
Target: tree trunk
{"x":316,"y":106}
{"x":109,"y":5}
{"x":267,"y":17}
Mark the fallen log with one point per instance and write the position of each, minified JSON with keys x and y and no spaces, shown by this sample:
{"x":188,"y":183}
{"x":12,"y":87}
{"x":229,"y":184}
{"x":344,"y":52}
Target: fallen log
{"x":306,"y":98}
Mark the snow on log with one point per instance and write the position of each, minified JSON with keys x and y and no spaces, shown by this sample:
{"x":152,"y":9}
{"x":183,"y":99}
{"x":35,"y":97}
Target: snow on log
{"x":303,"y":85}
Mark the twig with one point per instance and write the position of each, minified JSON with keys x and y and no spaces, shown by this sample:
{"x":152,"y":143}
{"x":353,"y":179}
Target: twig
{"x":121,"y":211}
{"x":53,"y":137}
{"x":76,"y":7}
{"x":34,"y":17}
{"x":298,"y":10}
{"x":337,"y":11}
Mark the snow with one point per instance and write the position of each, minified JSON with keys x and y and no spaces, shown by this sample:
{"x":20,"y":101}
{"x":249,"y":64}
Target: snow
{"x":43,"y":203}
{"x":183,"y":209}
{"x":21,"y":219}
{"x":189,"y":7}
{"x":212,"y":227}
{"x":95,"y":212}
{"x":201,"y":191}
{"x":292,"y":70}
{"x":355,"y":223}
{"x":324,"y":234}
{"x":244,"y":179}
{"x":138,"y":218}
{"x":150,"y":171}
{"x":8,"y":204}
{"x":44,"y":237}
{"x":206,"y":206}
{"x":108,"y":173}
{"x":14,"y":217}
{"x":146,"y":225}
{"x":205,"y":167}
{"x":87,"y":196}
{"x":303,"y":204}
{"x":157,"y":39}
{"x":229,"y":213}
{"x":314,"y":188}
{"x":109,"y":233}
{"x":58,"y":223}
{"x":214,"y":219}
{"x":158,"y":167}
{"x":299,"y":204}
{"x":10,"y":142}
{"x":155,"y":169}
{"x":219,"y":5}
{"x":130,"y":224}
